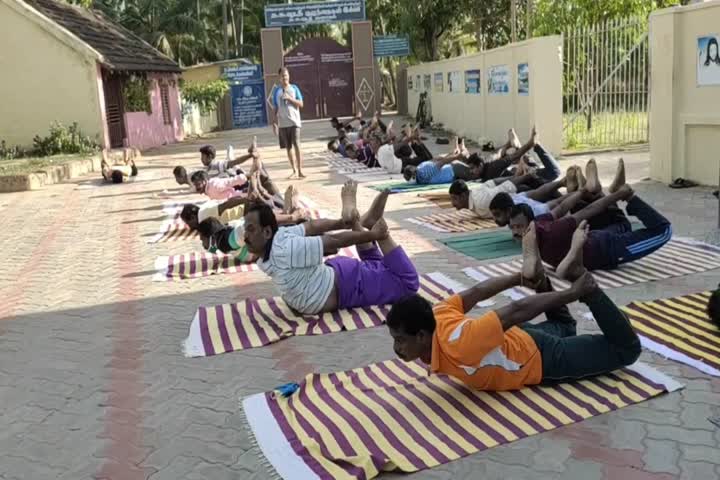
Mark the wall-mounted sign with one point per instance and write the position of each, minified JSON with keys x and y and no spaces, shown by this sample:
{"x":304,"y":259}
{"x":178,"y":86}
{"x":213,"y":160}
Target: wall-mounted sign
{"x":391,"y":46}
{"x":523,"y":78}
{"x":498,"y":80}
{"x":308,"y":13}
{"x":454,"y":82}
{"x":247,"y":95}
{"x":438,"y":82}
{"x":426,"y":82}
{"x":240,"y":73}
{"x":472,"y":82}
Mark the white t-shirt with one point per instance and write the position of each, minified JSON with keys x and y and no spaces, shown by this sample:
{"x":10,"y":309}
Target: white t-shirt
{"x":297,"y":269}
{"x":218,"y":164}
{"x":538,"y":208}
{"x":387,"y":159}
{"x":482,"y":195}
{"x":353,"y":136}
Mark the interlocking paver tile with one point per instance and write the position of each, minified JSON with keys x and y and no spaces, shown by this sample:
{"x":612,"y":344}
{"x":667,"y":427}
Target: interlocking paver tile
{"x":91,"y":354}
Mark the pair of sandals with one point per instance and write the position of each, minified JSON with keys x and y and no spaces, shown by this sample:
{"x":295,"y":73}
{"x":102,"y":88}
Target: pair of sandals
{"x":683,"y":183}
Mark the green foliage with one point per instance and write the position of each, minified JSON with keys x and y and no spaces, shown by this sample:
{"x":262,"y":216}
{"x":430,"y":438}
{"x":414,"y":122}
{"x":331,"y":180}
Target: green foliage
{"x":62,"y":139}
{"x":10,"y":152}
{"x":136,"y":93}
{"x":205,"y":95}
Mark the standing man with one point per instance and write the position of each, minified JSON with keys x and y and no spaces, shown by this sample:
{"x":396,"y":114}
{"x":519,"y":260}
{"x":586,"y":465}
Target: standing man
{"x":287,"y":102}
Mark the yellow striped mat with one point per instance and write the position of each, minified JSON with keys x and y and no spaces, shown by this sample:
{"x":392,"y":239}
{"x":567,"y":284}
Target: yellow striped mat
{"x":677,"y":258}
{"x":258,"y":322}
{"x":393,"y":416}
{"x":454,"y":221}
{"x":680,"y":329}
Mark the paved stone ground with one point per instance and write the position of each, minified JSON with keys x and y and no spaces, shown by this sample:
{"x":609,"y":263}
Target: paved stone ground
{"x":93,"y":383}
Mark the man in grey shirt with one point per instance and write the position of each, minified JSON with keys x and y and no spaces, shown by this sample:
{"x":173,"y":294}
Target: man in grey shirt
{"x":287,"y":102}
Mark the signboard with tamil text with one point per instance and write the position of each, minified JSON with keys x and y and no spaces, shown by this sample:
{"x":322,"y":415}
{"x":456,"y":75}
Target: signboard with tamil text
{"x":308,"y":13}
{"x":391,"y":46}
{"x":247,"y":95}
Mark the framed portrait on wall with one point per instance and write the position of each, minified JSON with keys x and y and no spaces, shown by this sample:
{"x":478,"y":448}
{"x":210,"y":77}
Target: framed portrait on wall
{"x":708,"y":60}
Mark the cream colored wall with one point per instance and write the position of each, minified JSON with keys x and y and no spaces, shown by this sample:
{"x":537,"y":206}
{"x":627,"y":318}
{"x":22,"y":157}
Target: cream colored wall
{"x":41,"y":80}
{"x":193,"y":122}
{"x":684,"y":118}
{"x":489,"y":117}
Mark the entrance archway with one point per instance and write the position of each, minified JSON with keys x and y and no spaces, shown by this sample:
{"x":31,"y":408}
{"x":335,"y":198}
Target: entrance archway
{"x":323,"y":70}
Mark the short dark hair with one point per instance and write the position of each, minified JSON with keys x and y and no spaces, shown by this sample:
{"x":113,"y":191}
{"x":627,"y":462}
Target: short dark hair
{"x":179,"y":170}
{"x":209,"y":227}
{"x":208,"y":150}
{"x":458,"y":187}
{"x":283,"y":69}
{"x":334,"y":120}
{"x":404,"y":151}
{"x":266,"y":216}
{"x":116,"y":176}
{"x":501,"y":201}
{"x":522,"y":209}
{"x":199,"y":175}
{"x":475,"y":159}
{"x":407,"y":173}
{"x":713,"y":307}
{"x":411,"y":315}
{"x":189,"y":213}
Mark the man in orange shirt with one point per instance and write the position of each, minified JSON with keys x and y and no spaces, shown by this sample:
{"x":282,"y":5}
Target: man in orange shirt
{"x":499,"y":350}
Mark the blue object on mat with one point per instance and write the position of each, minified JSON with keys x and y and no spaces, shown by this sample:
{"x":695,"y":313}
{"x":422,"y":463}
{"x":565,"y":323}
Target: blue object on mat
{"x":287,"y":389}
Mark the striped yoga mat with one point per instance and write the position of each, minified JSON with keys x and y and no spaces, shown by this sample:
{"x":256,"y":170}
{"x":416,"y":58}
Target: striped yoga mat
{"x":677,"y":258}
{"x":393,"y":416}
{"x":453,"y":221}
{"x":680,"y":329}
{"x":174,"y":228}
{"x":258,"y":322}
{"x":344,"y":165}
{"x":203,"y":264}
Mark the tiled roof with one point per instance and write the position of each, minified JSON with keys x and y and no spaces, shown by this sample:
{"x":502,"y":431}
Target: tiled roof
{"x":122,"y":50}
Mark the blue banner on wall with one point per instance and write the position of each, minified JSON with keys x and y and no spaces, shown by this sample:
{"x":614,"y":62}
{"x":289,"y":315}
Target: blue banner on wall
{"x":243,"y":73}
{"x":247,"y":95}
{"x":391,"y":46}
{"x":297,"y":14}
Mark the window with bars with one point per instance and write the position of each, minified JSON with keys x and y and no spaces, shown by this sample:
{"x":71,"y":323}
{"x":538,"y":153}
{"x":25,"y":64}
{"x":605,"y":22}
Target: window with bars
{"x":165,"y":100}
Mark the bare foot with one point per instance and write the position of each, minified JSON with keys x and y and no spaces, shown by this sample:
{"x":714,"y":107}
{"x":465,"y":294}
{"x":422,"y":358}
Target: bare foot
{"x":593,"y":181}
{"x":376,"y":210}
{"x":253,"y":145}
{"x":294,"y":199}
{"x":584,"y":285}
{"x":513,"y":140}
{"x":571,"y":180}
{"x":348,"y":195}
{"x":380,"y":229}
{"x":292,"y":175}
{"x":532,"y":269}
{"x":571,"y":267}
{"x":301,"y":175}
{"x":582,"y":181}
{"x":287,"y":199}
{"x":619,"y":180}
{"x":463,"y":149}
{"x":521,"y":168}
{"x":533,"y":136}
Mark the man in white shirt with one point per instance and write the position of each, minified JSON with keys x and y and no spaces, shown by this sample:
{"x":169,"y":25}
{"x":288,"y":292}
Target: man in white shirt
{"x":293,"y":258}
{"x":478,"y":199}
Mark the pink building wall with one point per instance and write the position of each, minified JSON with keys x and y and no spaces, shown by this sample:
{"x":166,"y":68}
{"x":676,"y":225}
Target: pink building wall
{"x":146,"y":130}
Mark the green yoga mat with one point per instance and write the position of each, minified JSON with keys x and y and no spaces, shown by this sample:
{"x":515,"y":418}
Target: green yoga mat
{"x":489,"y":245}
{"x":485,"y":246}
{"x":399,"y":187}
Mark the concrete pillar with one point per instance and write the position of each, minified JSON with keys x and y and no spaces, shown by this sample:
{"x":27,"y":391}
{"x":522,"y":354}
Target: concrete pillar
{"x":367,"y":88}
{"x":272,"y":58}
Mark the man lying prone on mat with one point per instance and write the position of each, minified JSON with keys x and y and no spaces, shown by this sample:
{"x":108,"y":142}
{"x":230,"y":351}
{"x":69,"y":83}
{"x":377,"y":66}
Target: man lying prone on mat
{"x":606,"y":247}
{"x":500,"y":350}
{"x":293,"y":258}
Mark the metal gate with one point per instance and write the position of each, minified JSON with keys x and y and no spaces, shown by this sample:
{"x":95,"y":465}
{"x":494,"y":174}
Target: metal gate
{"x":605,"y":85}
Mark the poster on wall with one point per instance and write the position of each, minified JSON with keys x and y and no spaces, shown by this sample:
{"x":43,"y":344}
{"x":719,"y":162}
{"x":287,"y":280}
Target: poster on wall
{"x":472,"y":82}
{"x":410,"y":82}
{"x":438,"y":84}
{"x":454,"y":82}
{"x":426,"y":83}
{"x":708,"y":61}
{"x":417,"y":83}
{"x":523,"y":77}
{"x":498,"y":80}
